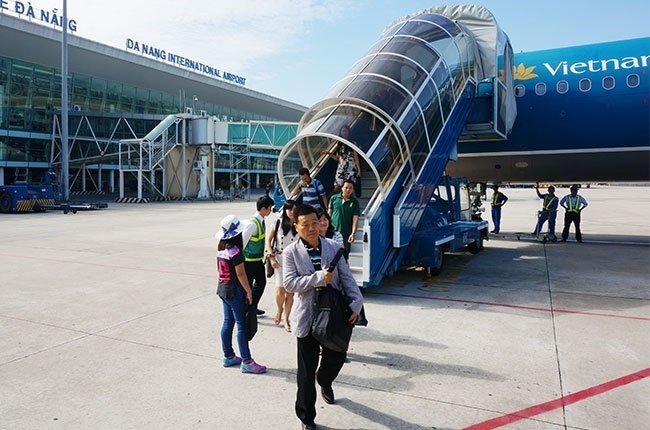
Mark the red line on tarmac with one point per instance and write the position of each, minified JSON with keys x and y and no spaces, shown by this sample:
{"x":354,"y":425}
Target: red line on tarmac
{"x":562,"y":401}
{"x":506,"y":305}
{"x":110,"y":266}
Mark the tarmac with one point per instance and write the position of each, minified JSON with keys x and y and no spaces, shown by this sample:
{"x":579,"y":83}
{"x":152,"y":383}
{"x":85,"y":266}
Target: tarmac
{"x":109,"y":320}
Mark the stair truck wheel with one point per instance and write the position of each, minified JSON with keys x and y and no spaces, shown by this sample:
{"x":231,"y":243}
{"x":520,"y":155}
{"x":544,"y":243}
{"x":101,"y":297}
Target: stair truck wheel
{"x":6,"y":205}
{"x":438,"y":260}
{"x":476,"y":246}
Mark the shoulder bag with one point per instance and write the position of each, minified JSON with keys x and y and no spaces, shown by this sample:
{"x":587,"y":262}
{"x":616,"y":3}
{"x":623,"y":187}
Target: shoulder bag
{"x":270,"y":271}
{"x":330,"y":326}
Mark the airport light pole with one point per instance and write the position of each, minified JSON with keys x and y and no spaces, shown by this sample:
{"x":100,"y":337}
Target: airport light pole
{"x":64,"y":105}
{"x":194,"y":100}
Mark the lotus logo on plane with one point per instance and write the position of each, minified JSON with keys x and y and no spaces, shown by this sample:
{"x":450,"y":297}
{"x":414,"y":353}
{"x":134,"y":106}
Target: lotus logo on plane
{"x":520,"y":72}
{"x":524,"y":73}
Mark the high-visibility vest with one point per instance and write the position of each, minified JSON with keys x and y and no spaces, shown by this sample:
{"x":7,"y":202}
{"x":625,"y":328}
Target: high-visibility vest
{"x":570,"y":203}
{"x":548,"y":202}
{"x":254,"y":250}
{"x":495,"y":200}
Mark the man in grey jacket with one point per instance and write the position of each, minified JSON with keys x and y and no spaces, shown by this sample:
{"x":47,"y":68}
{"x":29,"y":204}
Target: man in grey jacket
{"x":304,"y":266}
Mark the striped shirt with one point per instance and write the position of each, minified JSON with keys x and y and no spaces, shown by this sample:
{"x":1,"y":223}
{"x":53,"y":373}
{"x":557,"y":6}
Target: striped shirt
{"x":314,"y":255}
{"x":311,"y":193}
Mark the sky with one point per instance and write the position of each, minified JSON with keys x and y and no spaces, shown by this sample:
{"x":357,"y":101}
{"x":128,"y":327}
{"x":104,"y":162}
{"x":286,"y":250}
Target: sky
{"x":297,"y":49}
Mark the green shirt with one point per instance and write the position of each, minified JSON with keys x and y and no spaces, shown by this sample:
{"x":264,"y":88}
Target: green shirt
{"x":342,"y":213}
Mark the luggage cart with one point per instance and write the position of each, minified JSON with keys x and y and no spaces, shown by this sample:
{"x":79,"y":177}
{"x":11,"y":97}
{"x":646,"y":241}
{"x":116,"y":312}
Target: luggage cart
{"x":537,"y":236}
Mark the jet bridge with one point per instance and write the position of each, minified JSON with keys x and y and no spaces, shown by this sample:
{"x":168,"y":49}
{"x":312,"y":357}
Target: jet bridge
{"x":406,"y":102}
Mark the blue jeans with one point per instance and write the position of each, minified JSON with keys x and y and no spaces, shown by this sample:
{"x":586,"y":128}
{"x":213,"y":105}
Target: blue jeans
{"x":496,"y":218}
{"x":234,"y":310}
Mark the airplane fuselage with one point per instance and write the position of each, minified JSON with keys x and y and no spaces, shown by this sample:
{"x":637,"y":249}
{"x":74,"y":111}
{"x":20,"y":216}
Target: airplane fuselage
{"x":582,"y":116}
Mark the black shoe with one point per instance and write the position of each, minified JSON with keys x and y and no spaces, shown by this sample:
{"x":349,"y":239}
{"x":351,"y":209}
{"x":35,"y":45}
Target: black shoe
{"x":580,"y":240}
{"x":309,"y":426}
{"x":260,"y":312}
{"x":493,"y":231}
{"x":563,"y":240}
{"x":328,"y":394}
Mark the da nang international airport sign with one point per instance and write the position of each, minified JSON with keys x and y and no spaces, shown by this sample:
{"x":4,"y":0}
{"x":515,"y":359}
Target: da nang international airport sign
{"x":180,"y":61}
{"x":24,"y":9}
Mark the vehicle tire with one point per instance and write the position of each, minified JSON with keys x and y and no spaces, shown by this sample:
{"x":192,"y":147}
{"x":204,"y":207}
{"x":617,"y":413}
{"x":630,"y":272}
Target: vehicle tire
{"x":438,"y":260}
{"x":6,"y":205}
{"x":476,"y":246}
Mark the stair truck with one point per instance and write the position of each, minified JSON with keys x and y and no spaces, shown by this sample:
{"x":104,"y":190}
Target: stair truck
{"x":432,"y":78}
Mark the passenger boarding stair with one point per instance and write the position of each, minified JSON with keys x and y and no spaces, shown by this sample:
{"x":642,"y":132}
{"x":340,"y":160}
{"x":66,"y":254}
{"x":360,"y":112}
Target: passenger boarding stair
{"x":406,"y":102}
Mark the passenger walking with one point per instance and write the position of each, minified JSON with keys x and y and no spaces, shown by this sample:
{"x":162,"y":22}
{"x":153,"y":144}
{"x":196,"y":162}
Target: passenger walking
{"x":498,"y":200}
{"x":305,"y":265}
{"x":573,"y":204}
{"x":235,"y":292}
{"x":325,"y":228}
{"x":348,"y":167}
{"x":281,"y":236}
{"x":254,"y":246}
{"x":548,"y":212}
{"x":344,"y":211}
{"x":312,"y":190}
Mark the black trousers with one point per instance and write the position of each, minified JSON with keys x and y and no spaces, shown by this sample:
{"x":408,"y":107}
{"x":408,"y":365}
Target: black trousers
{"x":331,"y":363}
{"x":571,"y":217}
{"x":256,"y":274}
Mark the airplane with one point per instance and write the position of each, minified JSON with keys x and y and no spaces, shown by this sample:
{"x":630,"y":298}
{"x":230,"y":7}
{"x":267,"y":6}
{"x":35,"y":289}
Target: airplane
{"x":582,"y":116}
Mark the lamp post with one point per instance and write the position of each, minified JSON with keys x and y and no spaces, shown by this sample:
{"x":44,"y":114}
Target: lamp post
{"x":194,"y":100}
{"x":64,"y":105}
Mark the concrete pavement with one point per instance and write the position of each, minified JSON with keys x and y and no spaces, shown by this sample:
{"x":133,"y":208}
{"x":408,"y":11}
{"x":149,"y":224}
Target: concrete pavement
{"x":108,"y":320}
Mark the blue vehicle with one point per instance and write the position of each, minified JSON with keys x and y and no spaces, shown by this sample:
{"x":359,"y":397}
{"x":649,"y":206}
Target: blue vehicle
{"x":406,"y":103}
{"x":22,"y":196}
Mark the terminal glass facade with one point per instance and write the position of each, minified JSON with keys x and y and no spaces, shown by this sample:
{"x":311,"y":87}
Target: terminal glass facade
{"x":30,"y":95}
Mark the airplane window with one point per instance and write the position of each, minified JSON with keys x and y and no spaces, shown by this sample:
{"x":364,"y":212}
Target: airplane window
{"x":633,"y":80}
{"x":520,"y":90}
{"x":562,"y":87}
{"x":584,"y":84}
{"x":608,"y":82}
{"x":540,"y":89}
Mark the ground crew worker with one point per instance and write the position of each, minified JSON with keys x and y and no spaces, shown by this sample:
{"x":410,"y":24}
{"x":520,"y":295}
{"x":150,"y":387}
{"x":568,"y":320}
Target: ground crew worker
{"x":498,"y":200}
{"x":573,"y":204}
{"x":254,"y":244}
{"x":548,"y":212}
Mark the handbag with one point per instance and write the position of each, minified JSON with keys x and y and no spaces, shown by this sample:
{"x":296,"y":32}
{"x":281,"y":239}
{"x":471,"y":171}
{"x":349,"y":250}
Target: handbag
{"x":270,"y":270}
{"x":251,"y":321}
{"x":330,"y":326}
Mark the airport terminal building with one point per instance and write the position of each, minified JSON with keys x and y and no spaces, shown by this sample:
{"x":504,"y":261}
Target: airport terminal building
{"x":117,"y":94}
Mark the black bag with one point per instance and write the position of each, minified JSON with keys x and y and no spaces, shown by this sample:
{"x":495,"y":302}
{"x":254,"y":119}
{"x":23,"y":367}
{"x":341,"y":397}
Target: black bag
{"x":330,"y":327}
{"x":357,"y":187}
{"x":270,"y":271}
{"x":251,"y":321}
